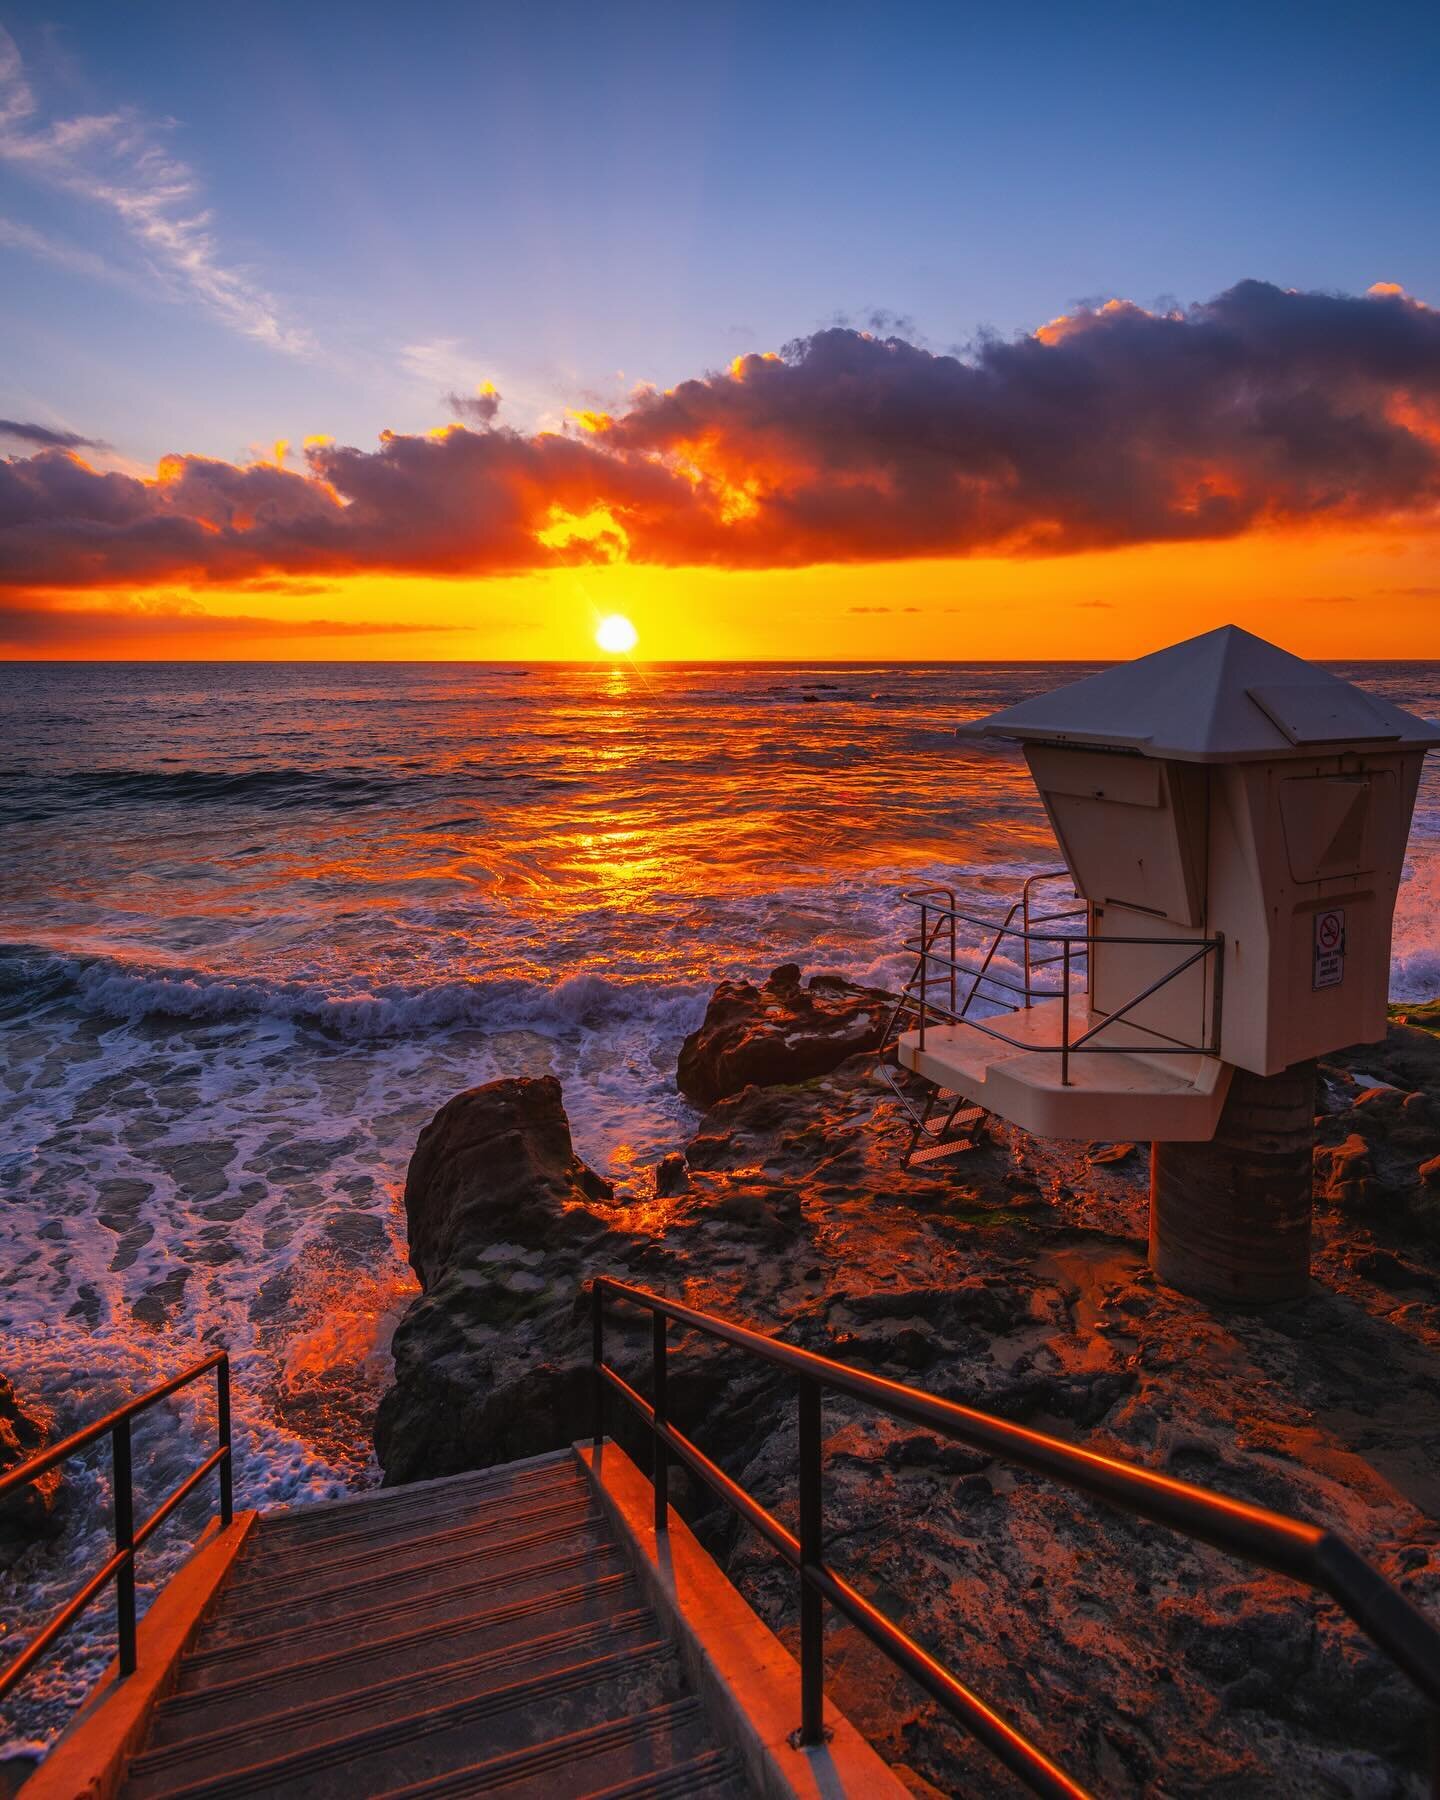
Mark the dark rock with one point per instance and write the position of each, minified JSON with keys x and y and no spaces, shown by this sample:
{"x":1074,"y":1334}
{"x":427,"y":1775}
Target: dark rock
{"x":1344,"y":1175}
{"x":160,"y":1300}
{"x":671,"y":1175}
{"x":780,"y":1033}
{"x":490,"y":1361}
{"x":32,"y":1512}
{"x":495,"y":1165}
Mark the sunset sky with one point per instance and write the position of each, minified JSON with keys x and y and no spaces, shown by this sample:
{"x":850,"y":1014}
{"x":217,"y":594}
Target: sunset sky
{"x":785,"y":331}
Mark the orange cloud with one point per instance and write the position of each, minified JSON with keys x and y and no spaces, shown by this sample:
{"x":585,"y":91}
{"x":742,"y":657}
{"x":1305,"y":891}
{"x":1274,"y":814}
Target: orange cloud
{"x":1115,"y":427}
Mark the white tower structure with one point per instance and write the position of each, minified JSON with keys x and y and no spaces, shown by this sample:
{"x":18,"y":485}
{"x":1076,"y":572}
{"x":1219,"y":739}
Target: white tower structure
{"x":1235,"y":820}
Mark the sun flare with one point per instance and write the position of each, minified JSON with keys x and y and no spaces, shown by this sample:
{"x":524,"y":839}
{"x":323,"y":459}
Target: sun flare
{"x":615,"y":635}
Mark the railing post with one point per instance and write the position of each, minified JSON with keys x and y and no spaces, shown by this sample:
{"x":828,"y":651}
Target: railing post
{"x":812,"y":1549}
{"x":953,"y":970}
{"x":222,"y":1426}
{"x":1218,"y":994}
{"x":1025,"y":938}
{"x":659,"y":1332}
{"x":597,"y":1359}
{"x":924,"y":966}
{"x":124,"y":1500}
{"x":1064,"y":1013}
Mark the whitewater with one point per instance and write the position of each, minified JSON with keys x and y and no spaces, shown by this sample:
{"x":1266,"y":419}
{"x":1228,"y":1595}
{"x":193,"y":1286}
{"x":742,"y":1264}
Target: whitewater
{"x":257,"y":922}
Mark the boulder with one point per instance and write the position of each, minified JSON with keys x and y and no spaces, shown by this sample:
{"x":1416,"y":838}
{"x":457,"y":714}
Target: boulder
{"x":1344,"y":1176}
{"x":33,"y":1511}
{"x":495,"y":1165}
{"x":500,"y":1212}
{"x":782,"y":1032}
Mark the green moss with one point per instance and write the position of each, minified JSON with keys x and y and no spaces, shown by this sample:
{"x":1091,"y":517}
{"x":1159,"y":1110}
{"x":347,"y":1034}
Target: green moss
{"x":1425,"y":1014}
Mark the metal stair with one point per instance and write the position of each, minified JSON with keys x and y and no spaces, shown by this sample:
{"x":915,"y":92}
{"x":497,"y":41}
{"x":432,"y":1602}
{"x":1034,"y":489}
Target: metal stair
{"x":480,"y":1634}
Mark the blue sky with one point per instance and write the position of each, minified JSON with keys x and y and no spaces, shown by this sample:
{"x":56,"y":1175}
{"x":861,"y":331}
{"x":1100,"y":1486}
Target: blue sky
{"x":570,"y":199}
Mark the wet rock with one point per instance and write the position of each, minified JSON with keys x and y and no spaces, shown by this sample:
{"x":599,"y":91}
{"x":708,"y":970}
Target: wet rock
{"x":1344,"y":1175}
{"x":158,"y":1304}
{"x":671,"y":1175}
{"x":781,"y":1032}
{"x":33,"y":1512}
{"x":494,"y":1181}
{"x":495,"y":1163}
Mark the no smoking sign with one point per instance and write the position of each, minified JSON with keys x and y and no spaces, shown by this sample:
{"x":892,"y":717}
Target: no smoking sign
{"x":1329,"y":967}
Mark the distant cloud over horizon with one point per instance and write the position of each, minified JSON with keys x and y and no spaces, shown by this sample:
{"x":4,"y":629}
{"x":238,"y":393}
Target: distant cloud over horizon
{"x":25,"y":626}
{"x":1109,"y":427}
{"x":47,"y":437}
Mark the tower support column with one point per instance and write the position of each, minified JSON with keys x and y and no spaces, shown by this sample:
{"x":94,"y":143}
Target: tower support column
{"x":1230,"y":1219}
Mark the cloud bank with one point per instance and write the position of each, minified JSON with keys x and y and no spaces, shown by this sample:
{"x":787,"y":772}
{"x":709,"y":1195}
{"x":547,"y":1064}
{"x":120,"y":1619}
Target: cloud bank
{"x":1109,"y":427}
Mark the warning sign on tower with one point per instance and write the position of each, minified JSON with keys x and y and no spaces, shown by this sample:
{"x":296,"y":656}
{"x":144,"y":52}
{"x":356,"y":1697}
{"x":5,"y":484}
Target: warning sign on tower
{"x":1329,"y":948}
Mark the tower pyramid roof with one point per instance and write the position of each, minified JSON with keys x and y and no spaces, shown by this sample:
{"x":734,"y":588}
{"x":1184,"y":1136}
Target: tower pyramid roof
{"x":1226,"y":696}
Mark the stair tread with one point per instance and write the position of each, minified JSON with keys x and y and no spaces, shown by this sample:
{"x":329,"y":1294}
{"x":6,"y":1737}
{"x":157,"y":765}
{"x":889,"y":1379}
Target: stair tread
{"x":214,"y":1678}
{"x":285,"y":1710}
{"x":714,"y":1773}
{"x":431,"y":1739}
{"x":288,"y":1728}
{"x":480,"y":1529}
{"x":466,"y":1572}
{"x":614,"y":1753}
{"x":454,"y":1602}
{"x":475,"y":1486}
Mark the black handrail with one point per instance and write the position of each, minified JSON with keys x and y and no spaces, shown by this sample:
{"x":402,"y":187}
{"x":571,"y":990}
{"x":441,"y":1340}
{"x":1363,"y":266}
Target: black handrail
{"x":1310,"y":1554}
{"x":120,"y":1568}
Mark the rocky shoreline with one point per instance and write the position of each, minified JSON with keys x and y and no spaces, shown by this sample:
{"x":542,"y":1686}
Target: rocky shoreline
{"x":1013,"y":1278}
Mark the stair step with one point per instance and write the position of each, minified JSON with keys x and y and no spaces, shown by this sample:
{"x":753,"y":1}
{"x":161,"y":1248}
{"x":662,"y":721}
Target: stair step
{"x":363,"y":1551}
{"x":343,"y":1527}
{"x":445,"y":1602}
{"x":937,"y":1152}
{"x":432,"y":1742}
{"x":464,"y":1571}
{"x":222,"y":1678}
{"x":659,"y":1740}
{"x":713,"y":1772}
{"x":285,"y":1719}
{"x":475,"y":1487}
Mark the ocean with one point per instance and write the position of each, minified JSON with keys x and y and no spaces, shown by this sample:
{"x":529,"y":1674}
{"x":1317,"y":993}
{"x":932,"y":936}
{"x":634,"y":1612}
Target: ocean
{"x":258,"y":921}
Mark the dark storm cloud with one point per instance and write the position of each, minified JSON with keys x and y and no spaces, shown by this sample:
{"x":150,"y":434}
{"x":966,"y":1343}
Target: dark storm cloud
{"x":479,"y":408}
{"x":1109,"y":427}
{"x":44,"y":437}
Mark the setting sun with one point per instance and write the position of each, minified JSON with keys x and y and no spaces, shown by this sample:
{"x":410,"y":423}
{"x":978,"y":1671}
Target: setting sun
{"x":616,"y":635}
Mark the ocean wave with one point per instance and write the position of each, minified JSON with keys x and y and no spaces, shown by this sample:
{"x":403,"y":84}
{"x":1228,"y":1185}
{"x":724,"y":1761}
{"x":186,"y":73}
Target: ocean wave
{"x":27,"y":797}
{"x":119,"y":990}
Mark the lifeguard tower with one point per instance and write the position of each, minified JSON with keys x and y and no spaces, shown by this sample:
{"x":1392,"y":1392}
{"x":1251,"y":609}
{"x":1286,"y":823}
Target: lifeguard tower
{"x":1233,"y":822}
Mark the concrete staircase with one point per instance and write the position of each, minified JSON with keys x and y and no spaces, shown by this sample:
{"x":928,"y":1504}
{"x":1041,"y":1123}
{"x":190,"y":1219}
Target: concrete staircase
{"x":483,"y":1634}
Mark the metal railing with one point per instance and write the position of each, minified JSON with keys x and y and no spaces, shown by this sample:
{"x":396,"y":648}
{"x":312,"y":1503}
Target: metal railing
{"x":120,"y":1568}
{"x":933,"y":992}
{"x":1306,"y":1553}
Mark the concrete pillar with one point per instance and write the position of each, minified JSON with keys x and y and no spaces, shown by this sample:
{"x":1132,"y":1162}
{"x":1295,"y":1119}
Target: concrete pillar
{"x":1230,"y":1220}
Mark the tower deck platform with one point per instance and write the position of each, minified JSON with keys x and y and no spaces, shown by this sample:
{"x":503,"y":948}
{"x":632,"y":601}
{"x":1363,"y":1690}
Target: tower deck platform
{"x":1134,"y":1090}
